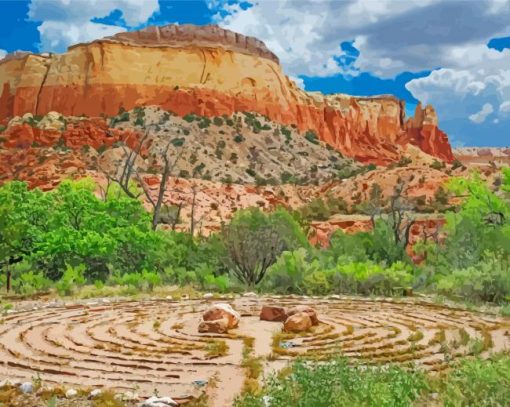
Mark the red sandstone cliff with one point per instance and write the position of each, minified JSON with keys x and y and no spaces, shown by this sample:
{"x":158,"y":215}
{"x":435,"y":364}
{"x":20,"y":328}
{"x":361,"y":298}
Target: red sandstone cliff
{"x":209,"y":71}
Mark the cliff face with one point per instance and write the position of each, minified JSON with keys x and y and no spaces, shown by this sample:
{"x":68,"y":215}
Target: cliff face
{"x":208,"y":71}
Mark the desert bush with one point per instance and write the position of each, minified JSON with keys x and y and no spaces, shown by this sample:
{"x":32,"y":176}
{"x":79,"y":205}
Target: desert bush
{"x":488,"y":280}
{"x":477,"y":382}
{"x":253,"y":241}
{"x":338,"y":383}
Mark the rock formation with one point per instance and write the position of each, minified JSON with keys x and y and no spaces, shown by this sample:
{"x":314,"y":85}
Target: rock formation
{"x":208,"y":71}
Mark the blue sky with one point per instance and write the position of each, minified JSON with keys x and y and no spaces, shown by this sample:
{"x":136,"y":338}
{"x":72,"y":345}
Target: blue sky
{"x":452,"y":54}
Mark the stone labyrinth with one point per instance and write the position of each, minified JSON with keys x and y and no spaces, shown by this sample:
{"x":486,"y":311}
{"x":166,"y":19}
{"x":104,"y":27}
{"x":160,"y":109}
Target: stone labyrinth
{"x":150,"y":345}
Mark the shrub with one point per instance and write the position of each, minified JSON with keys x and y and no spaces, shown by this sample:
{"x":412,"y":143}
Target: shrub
{"x":338,"y":383}
{"x":253,"y":241}
{"x":311,"y":136}
{"x":218,"y":121}
{"x":477,"y":382}
{"x":238,"y":138}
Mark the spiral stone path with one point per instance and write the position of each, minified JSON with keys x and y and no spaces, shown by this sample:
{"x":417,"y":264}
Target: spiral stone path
{"x":148,"y":346}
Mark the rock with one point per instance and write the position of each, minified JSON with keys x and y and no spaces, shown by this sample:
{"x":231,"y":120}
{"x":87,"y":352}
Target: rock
{"x":307,"y":310}
{"x":273,"y":313}
{"x":129,"y":396}
{"x":334,"y":297}
{"x":71,"y":393}
{"x":26,"y":388}
{"x":222,"y":310}
{"x":159,"y":402}
{"x":208,"y":296}
{"x":369,"y":129}
{"x":298,"y":322}
{"x":218,"y":326}
{"x":250,"y":294}
{"x":185,"y":297}
{"x":95,"y":393}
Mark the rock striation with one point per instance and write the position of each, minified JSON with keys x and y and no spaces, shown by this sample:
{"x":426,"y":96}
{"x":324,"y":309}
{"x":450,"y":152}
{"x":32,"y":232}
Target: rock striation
{"x":208,"y":71}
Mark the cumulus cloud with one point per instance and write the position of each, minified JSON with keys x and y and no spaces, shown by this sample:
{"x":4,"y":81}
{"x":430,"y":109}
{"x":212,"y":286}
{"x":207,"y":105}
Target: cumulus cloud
{"x":479,"y":117}
{"x":392,"y":36}
{"x":3,"y":53}
{"x":65,"y":22}
{"x":505,"y":107}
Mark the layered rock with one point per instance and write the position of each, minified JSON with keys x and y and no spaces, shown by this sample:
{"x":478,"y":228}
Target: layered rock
{"x":208,"y":71}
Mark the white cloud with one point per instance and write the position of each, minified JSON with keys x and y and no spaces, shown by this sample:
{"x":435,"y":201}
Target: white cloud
{"x":65,"y":22}
{"x":3,"y":53}
{"x":298,"y":81}
{"x":479,"y":117}
{"x":392,"y":36}
{"x":505,"y":107}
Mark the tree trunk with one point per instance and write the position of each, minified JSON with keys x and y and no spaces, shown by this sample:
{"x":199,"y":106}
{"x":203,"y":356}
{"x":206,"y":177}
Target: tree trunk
{"x":9,"y":276}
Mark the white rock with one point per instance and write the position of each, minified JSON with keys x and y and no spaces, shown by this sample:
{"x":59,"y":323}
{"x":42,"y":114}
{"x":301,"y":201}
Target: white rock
{"x":267,"y":400}
{"x":71,"y":393}
{"x":95,"y":393}
{"x":169,"y":297}
{"x":334,"y":297}
{"x":129,"y":396}
{"x":208,"y":296}
{"x":27,"y":388}
{"x":250,"y":294}
{"x":158,"y":402}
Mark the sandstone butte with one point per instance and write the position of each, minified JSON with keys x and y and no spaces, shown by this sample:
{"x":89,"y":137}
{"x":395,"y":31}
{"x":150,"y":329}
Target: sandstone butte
{"x":209,"y":71}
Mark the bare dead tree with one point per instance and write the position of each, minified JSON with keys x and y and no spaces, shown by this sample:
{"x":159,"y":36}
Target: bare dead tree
{"x":131,"y":172}
{"x":399,"y":216}
{"x":193,"y":203}
{"x":250,"y":252}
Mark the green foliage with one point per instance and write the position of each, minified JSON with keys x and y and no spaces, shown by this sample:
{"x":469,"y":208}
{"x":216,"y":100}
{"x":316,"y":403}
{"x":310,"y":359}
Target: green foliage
{"x":239,"y":138}
{"x":337,"y":383}
{"x":488,"y":280}
{"x":253,"y":241}
{"x":218,"y":121}
{"x":477,"y":383}
{"x":311,"y":136}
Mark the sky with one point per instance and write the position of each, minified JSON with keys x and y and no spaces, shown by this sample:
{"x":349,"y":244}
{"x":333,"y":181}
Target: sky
{"x":453,"y":54}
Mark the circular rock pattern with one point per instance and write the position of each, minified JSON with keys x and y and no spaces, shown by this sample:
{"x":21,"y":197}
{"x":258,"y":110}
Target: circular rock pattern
{"x":144,"y":346}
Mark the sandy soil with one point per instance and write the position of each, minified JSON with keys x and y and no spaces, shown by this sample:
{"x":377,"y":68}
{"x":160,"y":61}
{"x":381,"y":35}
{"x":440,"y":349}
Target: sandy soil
{"x":154,"y":345}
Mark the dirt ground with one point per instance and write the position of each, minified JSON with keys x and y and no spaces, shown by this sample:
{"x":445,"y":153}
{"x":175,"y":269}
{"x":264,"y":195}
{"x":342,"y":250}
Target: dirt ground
{"x":153,"y":346}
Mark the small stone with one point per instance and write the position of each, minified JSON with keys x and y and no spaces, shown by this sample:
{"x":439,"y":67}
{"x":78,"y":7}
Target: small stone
{"x":208,"y":296}
{"x":95,"y":393}
{"x":299,"y":322}
{"x":334,"y":297}
{"x":26,"y":388}
{"x":267,"y":400}
{"x":273,"y":313}
{"x":250,"y":294}
{"x":158,"y":402}
{"x":129,"y":396}
{"x":71,"y":393}
{"x":185,"y":297}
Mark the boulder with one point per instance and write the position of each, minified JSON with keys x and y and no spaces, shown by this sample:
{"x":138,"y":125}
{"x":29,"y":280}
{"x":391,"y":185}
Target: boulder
{"x":273,"y":313}
{"x":307,"y":310}
{"x":217,"y":326}
{"x":222,"y":310}
{"x":298,"y":322}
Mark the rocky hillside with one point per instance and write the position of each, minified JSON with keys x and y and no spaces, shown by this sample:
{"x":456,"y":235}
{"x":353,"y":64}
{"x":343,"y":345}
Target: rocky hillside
{"x":210,"y":72}
{"x":244,"y":148}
